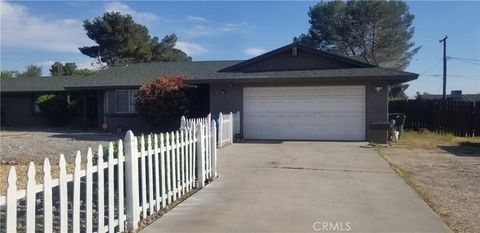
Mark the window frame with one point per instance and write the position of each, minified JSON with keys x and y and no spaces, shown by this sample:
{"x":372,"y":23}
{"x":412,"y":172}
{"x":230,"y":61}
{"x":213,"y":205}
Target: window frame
{"x":131,"y":94}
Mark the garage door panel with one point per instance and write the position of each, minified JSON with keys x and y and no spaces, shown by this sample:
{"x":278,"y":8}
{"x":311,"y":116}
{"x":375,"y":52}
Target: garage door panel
{"x":305,"y":113}
{"x":293,"y":120}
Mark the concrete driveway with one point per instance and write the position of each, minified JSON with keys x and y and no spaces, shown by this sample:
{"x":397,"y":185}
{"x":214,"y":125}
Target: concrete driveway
{"x":302,"y":187}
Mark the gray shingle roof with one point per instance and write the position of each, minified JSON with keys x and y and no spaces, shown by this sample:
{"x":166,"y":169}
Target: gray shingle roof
{"x":197,"y":72}
{"x":137,"y":74}
{"x":207,"y":71}
{"x":38,"y":84}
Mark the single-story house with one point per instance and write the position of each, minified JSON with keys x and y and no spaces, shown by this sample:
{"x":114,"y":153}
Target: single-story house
{"x":291,"y":93}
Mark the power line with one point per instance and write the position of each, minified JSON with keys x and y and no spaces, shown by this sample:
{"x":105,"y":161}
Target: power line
{"x":474,"y":63}
{"x":433,"y":66}
{"x":453,"y":75}
{"x":471,"y":59}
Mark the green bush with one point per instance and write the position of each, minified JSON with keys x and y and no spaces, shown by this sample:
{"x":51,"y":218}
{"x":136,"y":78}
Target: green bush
{"x":56,"y":110}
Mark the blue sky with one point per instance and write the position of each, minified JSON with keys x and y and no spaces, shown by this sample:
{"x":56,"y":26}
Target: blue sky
{"x":43,"y":32}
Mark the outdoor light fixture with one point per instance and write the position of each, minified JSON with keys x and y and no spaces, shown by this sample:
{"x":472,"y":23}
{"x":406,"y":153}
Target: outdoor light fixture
{"x":223,"y":91}
{"x":378,"y":88}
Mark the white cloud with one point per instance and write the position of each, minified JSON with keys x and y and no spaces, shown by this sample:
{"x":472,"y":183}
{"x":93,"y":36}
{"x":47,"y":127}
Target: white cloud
{"x":208,"y":29}
{"x":254,"y":51}
{"x":139,"y":17}
{"x":196,"y":19}
{"x":20,"y":29}
{"x":228,"y":27}
{"x":192,"y":49}
{"x":200,"y":30}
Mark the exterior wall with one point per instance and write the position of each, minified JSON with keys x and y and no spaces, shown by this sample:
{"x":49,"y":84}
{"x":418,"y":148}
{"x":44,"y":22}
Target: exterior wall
{"x":122,"y":121}
{"x":228,"y":97}
{"x":100,"y":109}
{"x":17,"y":110}
{"x":126,"y":122}
{"x":135,"y":122}
{"x":377,"y":112}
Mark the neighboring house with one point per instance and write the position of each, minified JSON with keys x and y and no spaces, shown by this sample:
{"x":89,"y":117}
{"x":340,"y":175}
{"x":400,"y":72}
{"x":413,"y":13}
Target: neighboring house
{"x":454,"y":95}
{"x":291,"y":93}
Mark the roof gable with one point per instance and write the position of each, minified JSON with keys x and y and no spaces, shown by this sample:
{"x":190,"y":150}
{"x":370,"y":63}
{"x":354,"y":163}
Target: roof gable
{"x":296,"y":57}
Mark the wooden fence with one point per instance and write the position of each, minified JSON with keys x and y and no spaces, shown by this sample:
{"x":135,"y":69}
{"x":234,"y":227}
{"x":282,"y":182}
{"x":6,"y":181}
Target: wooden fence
{"x":140,"y":177}
{"x":460,"y":118}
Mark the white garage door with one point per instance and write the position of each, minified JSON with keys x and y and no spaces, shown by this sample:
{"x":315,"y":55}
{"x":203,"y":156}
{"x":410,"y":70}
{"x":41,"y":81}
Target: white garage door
{"x":305,"y":113}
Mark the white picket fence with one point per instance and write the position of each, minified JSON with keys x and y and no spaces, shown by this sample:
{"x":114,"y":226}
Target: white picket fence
{"x":228,"y":127}
{"x":139,"y":178}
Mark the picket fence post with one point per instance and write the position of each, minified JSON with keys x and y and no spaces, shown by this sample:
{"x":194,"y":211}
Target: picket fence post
{"x":76,"y":194}
{"x":131,"y":182}
{"x":100,"y":193}
{"x":230,"y":136}
{"x":31,"y":199}
{"x":12,"y":201}
{"x":183,"y":123}
{"x":47,"y":197}
{"x":89,"y":192}
{"x":220,"y":129}
{"x":213,"y":143}
{"x":63,"y":195}
{"x":200,"y":156}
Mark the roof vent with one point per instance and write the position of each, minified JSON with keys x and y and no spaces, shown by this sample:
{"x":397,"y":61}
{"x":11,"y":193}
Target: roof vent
{"x":294,"y":51}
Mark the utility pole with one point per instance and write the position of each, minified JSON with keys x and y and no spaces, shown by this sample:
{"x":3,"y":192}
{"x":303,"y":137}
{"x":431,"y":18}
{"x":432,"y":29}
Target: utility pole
{"x":444,"y":40}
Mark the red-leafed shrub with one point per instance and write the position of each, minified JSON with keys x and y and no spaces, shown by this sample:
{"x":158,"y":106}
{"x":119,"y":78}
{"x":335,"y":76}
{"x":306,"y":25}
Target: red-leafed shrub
{"x":163,"y":101}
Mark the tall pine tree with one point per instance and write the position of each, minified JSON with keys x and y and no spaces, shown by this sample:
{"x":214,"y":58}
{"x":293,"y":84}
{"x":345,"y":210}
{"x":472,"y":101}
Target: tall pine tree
{"x":379,"y":32}
{"x":120,"y":39}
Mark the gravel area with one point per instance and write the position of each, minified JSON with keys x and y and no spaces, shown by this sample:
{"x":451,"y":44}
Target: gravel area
{"x":445,"y":171}
{"x":18,"y":147}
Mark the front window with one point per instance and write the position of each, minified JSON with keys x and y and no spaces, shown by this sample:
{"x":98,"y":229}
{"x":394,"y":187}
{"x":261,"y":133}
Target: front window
{"x":125,"y":101}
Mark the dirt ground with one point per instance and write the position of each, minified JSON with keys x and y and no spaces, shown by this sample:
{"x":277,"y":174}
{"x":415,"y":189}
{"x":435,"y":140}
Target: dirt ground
{"x":18,"y":147}
{"x":445,"y":171}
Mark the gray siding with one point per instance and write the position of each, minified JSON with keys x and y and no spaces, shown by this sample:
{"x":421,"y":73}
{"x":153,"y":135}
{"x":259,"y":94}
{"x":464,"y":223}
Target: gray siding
{"x":123,"y":121}
{"x":126,"y":122}
{"x":376,"y":109}
{"x":304,"y":60}
{"x":18,"y":111}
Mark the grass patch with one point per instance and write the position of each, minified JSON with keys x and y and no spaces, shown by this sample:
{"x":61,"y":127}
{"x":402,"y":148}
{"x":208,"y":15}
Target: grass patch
{"x":430,"y":140}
